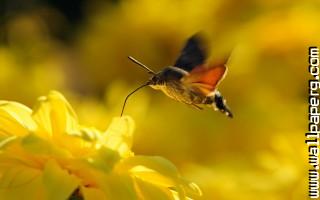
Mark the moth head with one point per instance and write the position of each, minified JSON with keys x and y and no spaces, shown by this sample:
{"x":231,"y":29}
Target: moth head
{"x":155,"y":80}
{"x":150,"y":82}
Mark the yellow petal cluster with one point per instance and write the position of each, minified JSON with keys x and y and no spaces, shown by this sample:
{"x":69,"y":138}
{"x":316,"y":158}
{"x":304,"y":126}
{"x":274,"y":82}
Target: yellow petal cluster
{"x":45,"y":154}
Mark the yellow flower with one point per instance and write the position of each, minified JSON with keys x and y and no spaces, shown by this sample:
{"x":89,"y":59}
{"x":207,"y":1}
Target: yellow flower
{"x":46,"y":155}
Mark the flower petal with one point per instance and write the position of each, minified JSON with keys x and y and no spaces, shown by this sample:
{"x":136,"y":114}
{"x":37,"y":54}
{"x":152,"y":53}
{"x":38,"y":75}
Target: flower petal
{"x":119,"y":187}
{"x":5,"y":140}
{"x":158,"y":171}
{"x":118,"y":136}
{"x":54,"y":115}
{"x":104,"y":159}
{"x":156,"y":163}
{"x":152,"y":176}
{"x":39,"y":146}
{"x":92,"y":194}
{"x":15,"y":119}
{"x":13,"y":154}
{"x":147,"y":190}
{"x":59,"y":184}
{"x":191,"y":188}
{"x":17,"y":175}
{"x":20,"y":182}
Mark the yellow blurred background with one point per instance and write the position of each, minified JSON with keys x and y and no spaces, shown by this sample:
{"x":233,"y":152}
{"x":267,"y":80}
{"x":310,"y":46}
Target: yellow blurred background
{"x":80,"y":48}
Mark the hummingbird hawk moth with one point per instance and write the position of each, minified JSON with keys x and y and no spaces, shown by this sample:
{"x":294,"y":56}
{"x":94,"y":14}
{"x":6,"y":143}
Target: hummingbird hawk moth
{"x":190,"y":80}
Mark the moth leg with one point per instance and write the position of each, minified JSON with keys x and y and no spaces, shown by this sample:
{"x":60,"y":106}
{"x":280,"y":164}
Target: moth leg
{"x":196,"y":106}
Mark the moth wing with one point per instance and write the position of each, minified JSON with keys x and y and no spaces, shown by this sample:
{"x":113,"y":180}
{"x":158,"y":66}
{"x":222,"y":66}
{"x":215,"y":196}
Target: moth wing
{"x":204,"y":79}
{"x":192,"y":54}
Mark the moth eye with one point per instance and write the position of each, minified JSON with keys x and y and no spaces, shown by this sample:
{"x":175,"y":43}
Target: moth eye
{"x":154,"y":79}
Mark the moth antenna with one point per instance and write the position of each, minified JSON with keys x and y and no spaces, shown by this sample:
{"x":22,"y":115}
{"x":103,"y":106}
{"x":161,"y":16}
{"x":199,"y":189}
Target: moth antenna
{"x":141,"y":65}
{"x":127,"y":97}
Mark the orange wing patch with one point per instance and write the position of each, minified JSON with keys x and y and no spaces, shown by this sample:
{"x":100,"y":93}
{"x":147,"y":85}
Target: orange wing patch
{"x":205,"y":79}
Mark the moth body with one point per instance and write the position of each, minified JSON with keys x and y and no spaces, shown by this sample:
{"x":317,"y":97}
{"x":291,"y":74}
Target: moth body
{"x":191,"y":80}
{"x":169,"y":81}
